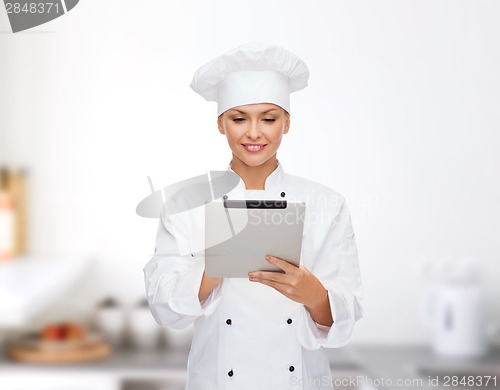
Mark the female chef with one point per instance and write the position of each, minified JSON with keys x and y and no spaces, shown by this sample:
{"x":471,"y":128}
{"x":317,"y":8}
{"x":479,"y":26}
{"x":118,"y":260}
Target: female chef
{"x":268,"y":331}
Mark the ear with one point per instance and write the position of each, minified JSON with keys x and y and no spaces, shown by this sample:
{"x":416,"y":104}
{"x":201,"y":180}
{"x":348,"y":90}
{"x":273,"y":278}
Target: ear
{"x":287,"y":124}
{"x":219,"y":124}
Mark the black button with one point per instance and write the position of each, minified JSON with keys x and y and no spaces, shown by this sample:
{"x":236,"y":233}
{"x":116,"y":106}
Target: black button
{"x":282,"y":194}
{"x":225,"y":197}
{"x":228,"y":321}
{"x":230,"y":373}
{"x":289,"y":321}
{"x":292,"y":368}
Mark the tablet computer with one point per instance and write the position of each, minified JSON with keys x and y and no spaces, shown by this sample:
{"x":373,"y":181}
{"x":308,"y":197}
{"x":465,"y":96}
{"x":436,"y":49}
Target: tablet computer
{"x":239,"y":234}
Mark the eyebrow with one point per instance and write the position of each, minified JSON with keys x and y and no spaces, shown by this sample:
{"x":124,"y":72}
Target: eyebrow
{"x":243,"y":112}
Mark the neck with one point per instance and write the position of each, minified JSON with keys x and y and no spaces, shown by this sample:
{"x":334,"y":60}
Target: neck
{"x":254,"y":176}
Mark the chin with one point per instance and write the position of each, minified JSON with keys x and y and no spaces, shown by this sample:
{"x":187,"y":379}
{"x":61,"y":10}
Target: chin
{"x":254,"y":162}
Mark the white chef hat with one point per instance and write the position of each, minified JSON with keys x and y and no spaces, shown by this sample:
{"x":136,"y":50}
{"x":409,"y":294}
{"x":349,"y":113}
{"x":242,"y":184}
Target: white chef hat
{"x":251,"y":73}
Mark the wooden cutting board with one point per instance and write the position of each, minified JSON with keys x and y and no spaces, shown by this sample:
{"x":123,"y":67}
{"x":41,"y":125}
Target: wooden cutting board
{"x":82,"y":353}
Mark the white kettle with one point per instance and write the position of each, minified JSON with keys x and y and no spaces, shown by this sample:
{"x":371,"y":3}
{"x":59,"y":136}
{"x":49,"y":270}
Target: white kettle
{"x":454,"y":310}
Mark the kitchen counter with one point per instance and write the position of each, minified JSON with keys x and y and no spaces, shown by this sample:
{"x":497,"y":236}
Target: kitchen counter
{"x":121,"y":359}
{"x":123,"y":363}
{"x":370,"y":366}
{"x":411,"y":366}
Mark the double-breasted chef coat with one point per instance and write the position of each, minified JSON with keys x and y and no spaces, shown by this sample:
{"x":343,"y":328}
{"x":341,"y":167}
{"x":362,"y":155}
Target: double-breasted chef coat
{"x":247,"y":335}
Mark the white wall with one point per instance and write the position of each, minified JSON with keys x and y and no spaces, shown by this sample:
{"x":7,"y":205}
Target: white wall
{"x":400,"y":116}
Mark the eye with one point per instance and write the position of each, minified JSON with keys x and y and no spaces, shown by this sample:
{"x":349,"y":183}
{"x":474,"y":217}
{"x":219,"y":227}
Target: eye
{"x":238,"y":119}
{"x":270,"y":120}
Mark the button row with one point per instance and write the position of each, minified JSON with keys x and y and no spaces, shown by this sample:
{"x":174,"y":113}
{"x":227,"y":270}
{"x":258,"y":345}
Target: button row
{"x":291,"y":369}
{"x":229,"y":322}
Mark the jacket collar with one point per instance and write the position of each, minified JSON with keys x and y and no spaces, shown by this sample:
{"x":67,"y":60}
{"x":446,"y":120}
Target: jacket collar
{"x":273,"y":184}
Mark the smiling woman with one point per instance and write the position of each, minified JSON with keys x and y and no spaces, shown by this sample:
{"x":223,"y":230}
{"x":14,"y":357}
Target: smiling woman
{"x":254,"y":134}
{"x":267,"y":331}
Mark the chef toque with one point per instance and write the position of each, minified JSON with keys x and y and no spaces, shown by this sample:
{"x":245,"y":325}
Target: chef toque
{"x":251,"y":73}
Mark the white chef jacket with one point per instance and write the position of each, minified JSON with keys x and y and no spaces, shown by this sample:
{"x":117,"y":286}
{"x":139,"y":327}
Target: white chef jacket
{"x":247,"y":335}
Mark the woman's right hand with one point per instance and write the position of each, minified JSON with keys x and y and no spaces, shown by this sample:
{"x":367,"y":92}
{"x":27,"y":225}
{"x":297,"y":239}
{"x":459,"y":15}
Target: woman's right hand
{"x":206,"y":286}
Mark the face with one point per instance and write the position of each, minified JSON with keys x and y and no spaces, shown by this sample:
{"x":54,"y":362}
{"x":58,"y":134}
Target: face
{"x":262,"y":125}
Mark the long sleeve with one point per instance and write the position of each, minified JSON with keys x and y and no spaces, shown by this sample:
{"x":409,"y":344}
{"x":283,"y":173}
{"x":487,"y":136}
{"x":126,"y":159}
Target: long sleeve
{"x":337,"y":268}
{"x":173,"y":275}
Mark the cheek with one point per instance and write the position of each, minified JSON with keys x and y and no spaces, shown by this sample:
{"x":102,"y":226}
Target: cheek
{"x":232,"y":134}
{"x":277,"y":133}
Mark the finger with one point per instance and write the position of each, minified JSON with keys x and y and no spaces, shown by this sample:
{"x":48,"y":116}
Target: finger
{"x":283,"y":264}
{"x":280,"y":287}
{"x":278,"y":277}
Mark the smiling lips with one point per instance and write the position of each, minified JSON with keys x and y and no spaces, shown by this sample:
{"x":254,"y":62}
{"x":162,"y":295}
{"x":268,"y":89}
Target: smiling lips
{"x":253,"y":147}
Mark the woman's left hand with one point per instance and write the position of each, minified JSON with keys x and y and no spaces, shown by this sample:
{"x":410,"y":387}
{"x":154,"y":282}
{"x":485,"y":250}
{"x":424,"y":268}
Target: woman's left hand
{"x":297,"y":283}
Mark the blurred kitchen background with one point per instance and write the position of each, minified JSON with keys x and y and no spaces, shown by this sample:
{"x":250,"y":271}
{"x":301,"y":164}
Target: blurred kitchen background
{"x":400,"y":116}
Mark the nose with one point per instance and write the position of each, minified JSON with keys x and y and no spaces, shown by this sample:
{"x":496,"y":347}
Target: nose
{"x":254,"y":131}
